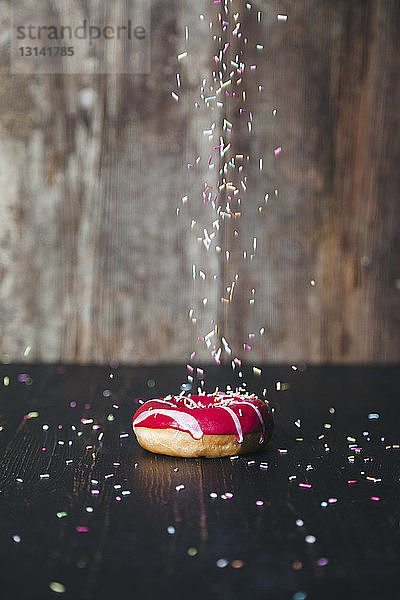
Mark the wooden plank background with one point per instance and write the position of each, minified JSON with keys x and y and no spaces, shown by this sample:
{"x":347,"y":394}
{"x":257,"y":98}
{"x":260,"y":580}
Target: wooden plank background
{"x":95,"y":265}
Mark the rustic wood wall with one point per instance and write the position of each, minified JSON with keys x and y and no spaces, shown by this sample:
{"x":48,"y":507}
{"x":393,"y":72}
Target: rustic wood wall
{"x":95,"y":264}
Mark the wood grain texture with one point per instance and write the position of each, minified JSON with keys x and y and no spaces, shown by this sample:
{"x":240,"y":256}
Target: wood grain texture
{"x":330,"y":71}
{"x":46,"y":430}
{"x":94,"y":263}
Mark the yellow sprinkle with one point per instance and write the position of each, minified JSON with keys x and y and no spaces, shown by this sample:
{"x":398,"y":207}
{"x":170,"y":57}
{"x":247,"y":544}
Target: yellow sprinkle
{"x":57,"y":587}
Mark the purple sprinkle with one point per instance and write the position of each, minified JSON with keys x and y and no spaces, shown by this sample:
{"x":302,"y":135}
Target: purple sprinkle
{"x":322,"y":562}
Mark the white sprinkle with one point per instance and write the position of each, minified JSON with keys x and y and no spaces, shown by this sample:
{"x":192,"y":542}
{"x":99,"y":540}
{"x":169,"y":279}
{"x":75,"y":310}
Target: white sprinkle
{"x":310,"y":539}
{"x":282,"y":17}
{"x":221,"y":563}
{"x":16,"y":539}
{"x":179,"y":487}
{"x":182,"y":55}
{"x":299,"y":522}
{"x":171,"y":529}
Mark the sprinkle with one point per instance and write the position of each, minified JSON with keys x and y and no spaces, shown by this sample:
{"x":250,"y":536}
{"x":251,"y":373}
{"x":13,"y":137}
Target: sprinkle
{"x":182,"y":55}
{"x":222,"y":563}
{"x":322,"y":562}
{"x":282,"y":18}
{"x":16,"y":539}
{"x":332,"y":500}
{"x":278,"y":150}
{"x":299,"y":595}
{"x":81,"y":529}
{"x":171,"y":529}
{"x":213,"y":495}
{"x":31,"y":415}
{"x":175,"y":96}
{"x":375,"y":498}
{"x":299,"y":522}
{"x":237,"y":564}
{"x":373,"y":416}
{"x":57,"y":587}
{"x":192,"y":551}
{"x":179,"y":487}
{"x":305,"y":485}
{"x":61,"y":514}
{"x":310,"y":539}
{"x":259,"y":502}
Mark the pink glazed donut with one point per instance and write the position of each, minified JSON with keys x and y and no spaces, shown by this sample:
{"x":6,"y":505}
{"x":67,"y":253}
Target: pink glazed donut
{"x":210,"y":425}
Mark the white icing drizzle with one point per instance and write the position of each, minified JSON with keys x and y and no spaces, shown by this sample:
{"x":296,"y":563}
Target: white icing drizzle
{"x":236,"y":422}
{"x":184,"y":420}
{"x":259,"y":415}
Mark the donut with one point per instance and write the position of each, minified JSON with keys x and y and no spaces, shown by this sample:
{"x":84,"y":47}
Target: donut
{"x":210,"y":425}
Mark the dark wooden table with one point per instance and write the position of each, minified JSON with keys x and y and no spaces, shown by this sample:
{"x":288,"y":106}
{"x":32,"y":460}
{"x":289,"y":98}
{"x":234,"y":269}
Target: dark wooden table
{"x":86,"y":513}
